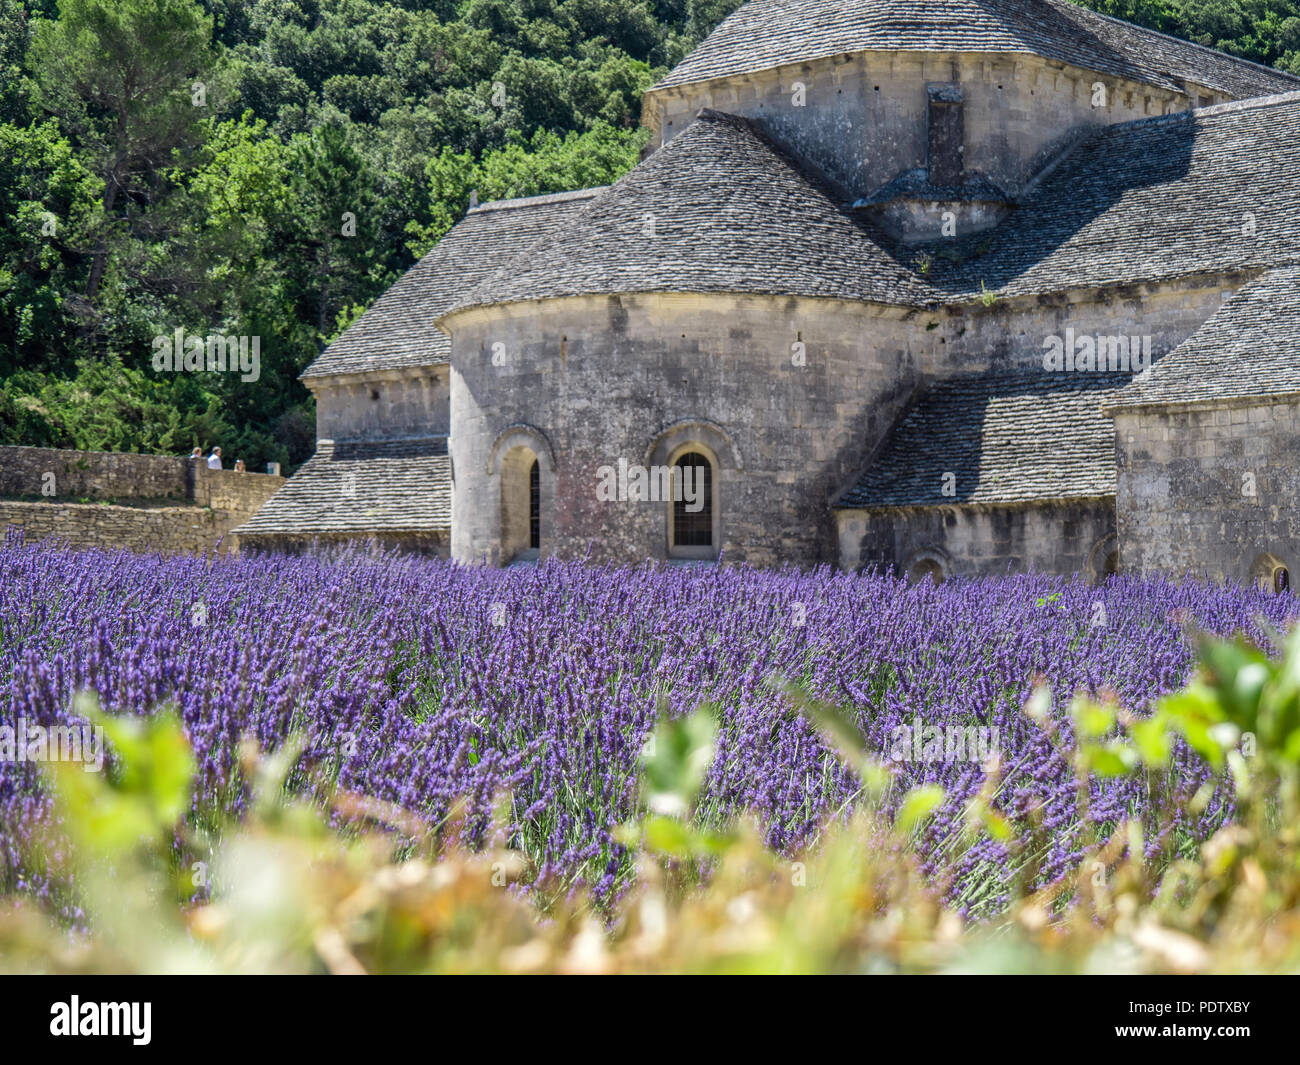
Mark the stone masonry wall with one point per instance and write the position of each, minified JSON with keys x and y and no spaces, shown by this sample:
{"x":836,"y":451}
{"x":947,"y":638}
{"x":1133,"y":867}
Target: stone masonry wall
{"x":1063,"y":537}
{"x":236,"y":493}
{"x":600,"y":377}
{"x":382,"y":405}
{"x":1207,"y":490}
{"x":792,"y":392}
{"x":165,"y":530}
{"x":208,"y":503}
{"x":863,"y":117}
{"x":97,"y":475}
{"x":1010,"y":334}
{"x":432,"y":544}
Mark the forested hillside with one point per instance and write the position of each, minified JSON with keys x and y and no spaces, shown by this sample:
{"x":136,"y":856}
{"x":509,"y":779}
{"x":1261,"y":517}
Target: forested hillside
{"x":266,"y":169}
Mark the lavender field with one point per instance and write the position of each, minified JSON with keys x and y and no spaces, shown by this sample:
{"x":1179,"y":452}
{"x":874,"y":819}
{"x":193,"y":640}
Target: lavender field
{"x":421,"y":683}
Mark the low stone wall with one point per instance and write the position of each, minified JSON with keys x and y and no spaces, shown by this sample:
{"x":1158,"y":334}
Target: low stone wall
{"x":60,"y":485}
{"x":1066,"y":537}
{"x":77,"y":475}
{"x":431,"y":544}
{"x":182,"y":529}
{"x":227,"y":490}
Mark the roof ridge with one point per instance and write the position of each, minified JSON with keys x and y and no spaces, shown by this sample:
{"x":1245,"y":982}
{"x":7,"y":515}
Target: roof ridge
{"x":809,"y":172}
{"x":1191,"y":44}
{"x":1250,"y":103}
{"x":537,"y":201}
{"x":771,"y":34}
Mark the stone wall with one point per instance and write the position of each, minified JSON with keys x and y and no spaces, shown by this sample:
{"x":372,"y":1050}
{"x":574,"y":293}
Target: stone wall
{"x":786,"y":395}
{"x":431,"y":544}
{"x":165,"y":530}
{"x":1209,"y":489}
{"x":389,"y":403}
{"x":863,"y":118}
{"x":1011,"y":333}
{"x":240,"y":494}
{"x":207,"y":505}
{"x":51,"y":473}
{"x":1065,"y":537}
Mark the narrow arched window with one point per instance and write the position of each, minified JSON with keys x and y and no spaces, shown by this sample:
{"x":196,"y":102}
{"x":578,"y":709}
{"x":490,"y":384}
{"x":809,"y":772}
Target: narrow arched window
{"x":693,"y":501}
{"x":534,"y":506}
{"x":925,"y":569}
{"x":1270,"y":574}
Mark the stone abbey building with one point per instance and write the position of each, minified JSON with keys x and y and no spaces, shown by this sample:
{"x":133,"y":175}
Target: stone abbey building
{"x":951,"y":286}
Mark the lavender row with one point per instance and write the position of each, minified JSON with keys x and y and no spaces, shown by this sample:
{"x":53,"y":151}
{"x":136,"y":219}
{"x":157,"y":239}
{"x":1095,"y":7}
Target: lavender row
{"x":421,"y":683}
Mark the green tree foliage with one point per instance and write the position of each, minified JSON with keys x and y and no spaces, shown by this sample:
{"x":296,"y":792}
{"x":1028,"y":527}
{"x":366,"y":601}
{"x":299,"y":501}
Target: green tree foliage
{"x":118,"y":74}
{"x":545,"y":163}
{"x":132,"y":205}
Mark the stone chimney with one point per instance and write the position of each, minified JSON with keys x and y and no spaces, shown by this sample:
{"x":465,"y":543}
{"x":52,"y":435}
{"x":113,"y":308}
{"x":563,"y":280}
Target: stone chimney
{"x":945,"y":135}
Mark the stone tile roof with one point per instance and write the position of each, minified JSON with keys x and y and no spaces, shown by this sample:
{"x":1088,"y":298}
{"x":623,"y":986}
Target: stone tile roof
{"x":1145,"y":201}
{"x":355,"y":487}
{"x":764,"y":34}
{"x":1151,"y":200}
{"x":720,"y":208}
{"x":1249,"y":347}
{"x":397,"y":330}
{"x":1010,"y":437}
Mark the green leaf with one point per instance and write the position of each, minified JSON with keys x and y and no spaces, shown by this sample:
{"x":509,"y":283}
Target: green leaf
{"x":152,"y":789}
{"x":1152,"y":740}
{"x":676,"y":760}
{"x":1092,"y":718}
{"x":917,"y":805}
{"x":1114,"y":759}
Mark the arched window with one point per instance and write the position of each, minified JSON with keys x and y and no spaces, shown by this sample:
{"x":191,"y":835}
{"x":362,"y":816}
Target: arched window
{"x":1270,"y":574}
{"x":693,"y":507}
{"x":694,"y":529}
{"x":928,"y":564}
{"x":925,"y":569}
{"x":535,"y":506}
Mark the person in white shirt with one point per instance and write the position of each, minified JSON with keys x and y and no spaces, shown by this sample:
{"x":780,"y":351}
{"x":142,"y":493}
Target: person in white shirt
{"x":214,"y":460}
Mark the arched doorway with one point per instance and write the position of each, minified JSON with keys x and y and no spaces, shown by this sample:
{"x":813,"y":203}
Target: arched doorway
{"x":521,"y":510}
{"x":535,"y":506}
{"x":1103,"y":559}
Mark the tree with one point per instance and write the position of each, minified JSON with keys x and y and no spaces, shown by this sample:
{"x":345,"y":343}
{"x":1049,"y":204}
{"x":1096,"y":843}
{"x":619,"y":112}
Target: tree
{"x":128,"y":80}
{"x":334,"y":222}
{"x":47,"y":200}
